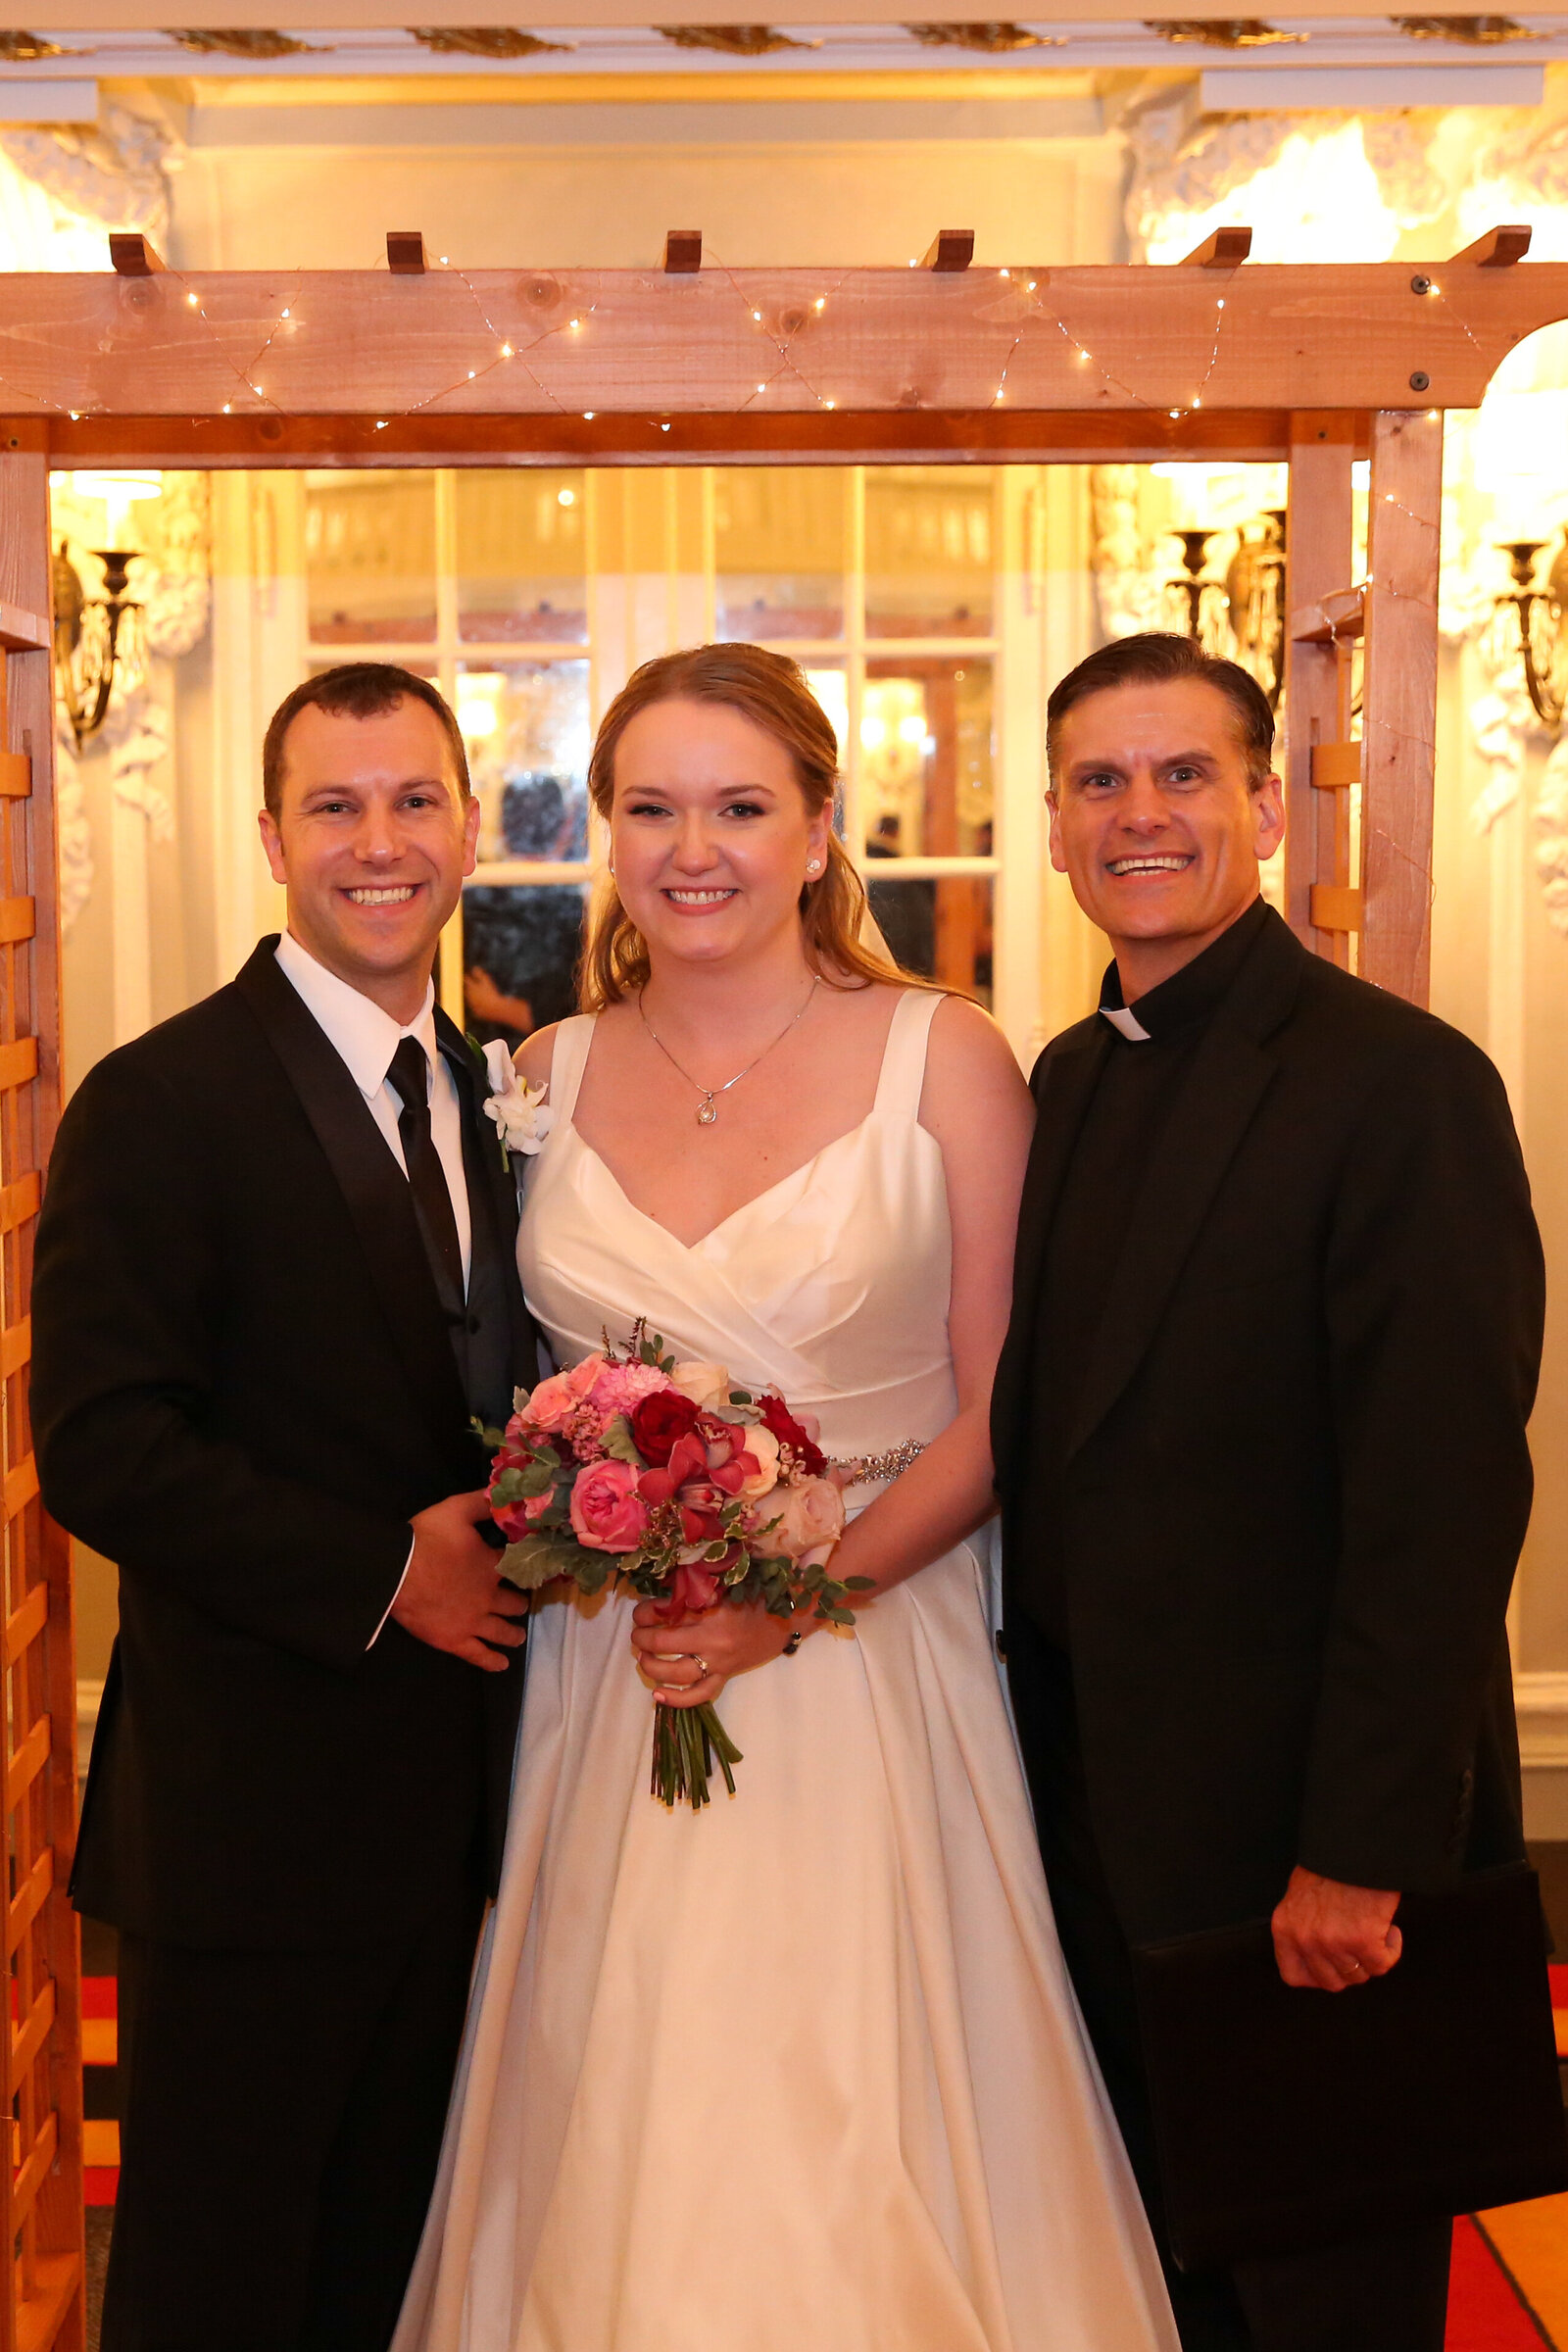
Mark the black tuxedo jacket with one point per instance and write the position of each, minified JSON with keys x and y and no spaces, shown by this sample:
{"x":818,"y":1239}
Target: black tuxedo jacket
{"x":244,"y":1387}
{"x":1298,"y":1477}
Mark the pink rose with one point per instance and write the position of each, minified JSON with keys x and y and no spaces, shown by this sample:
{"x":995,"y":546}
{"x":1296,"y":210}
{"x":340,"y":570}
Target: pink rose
{"x":808,"y":1518}
{"x":554,"y":1400}
{"x":608,"y":1514}
{"x":621,"y":1387}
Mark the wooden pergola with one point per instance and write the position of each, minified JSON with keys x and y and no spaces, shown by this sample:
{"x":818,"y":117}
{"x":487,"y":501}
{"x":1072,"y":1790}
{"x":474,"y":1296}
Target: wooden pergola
{"x":1216,"y":359}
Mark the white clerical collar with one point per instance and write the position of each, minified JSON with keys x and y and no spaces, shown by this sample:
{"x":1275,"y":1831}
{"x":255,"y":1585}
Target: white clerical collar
{"x":1130,"y":1026}
{"x":365,"y":1036}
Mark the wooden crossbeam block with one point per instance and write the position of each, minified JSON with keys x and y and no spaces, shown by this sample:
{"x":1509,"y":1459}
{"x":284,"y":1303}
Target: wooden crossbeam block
{"x":24,"y":632}
{"x":25,"y":1905}
{"x":405,"y":255}
{"x":35,"y":2171}
{"x":16,"y":776}
{"x":1341,"y":614}
{"x":20,"y":1488}
{"x":24,"y":1624}
{"x":952,"y":249}
{"x":1335,"y":766}
{"x":683,"y":252}
{"x":1224,"y":248}
{"x":1499,"y":248}
{"x":19,"y":919}
{"x":1336,"y":906}
{"x":27,"y":1762}
{"x":28,"y":2039}
{"x":15,"y":1348}
{"x":133,"y":255}
{"x":19,"y":1063}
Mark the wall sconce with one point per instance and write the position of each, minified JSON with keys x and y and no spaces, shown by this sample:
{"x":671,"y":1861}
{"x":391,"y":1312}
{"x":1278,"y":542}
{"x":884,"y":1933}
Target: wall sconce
{"x":98,"y":640}
{"x":1543,"y":626}
{"x":1242,"y":616}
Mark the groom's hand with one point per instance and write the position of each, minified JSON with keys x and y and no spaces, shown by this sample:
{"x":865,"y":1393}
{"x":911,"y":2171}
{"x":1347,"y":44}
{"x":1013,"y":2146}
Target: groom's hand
{"x":451,"y":1595}
{"x":1332,"y":1936}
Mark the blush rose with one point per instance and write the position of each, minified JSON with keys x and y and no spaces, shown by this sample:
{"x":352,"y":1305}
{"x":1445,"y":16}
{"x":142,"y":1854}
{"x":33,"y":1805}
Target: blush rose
{"x":608,"y":1513}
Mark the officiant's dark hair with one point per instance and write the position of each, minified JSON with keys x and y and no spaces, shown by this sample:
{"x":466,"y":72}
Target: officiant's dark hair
{"x":355,"y":690}
{"x":1160,"y":658}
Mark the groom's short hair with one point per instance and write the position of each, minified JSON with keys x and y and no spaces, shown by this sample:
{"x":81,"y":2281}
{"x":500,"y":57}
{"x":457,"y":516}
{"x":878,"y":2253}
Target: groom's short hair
{"x":1160,"y":658}
{"x":355,"y":690}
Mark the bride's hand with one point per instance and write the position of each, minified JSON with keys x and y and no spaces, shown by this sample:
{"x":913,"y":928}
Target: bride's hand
{"x":727,"y":1641}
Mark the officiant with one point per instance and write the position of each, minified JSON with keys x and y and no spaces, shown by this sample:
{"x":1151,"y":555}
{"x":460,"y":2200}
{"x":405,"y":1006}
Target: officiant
{"x":1259,"y":1431}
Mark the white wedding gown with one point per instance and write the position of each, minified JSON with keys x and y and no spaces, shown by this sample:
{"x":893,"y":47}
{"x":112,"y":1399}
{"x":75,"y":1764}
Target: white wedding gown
{"x":803,"y":2071}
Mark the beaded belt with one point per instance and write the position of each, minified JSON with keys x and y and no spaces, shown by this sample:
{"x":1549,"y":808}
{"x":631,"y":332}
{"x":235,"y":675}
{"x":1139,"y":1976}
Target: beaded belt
{"x":862,"y":1468}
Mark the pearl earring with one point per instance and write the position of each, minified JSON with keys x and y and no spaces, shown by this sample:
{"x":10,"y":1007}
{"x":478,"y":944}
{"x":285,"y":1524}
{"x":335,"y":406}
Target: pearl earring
{"x":811,"y":864}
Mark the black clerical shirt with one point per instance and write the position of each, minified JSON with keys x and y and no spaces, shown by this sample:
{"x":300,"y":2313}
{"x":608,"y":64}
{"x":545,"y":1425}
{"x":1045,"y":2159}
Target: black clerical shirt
{"x":1138,"y":1087}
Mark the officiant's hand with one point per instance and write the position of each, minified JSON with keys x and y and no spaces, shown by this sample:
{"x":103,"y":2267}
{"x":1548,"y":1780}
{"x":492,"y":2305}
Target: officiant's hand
{"x":1332,"y":1936}
{"x":727,"y":1641}
{"x":451,"y":1597}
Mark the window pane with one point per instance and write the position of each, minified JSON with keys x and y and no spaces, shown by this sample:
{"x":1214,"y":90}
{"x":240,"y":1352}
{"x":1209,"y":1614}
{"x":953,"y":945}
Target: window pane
{"x":940,"y":929}
{"x":779,"y":534}
{"x":525,"y":724}
{"x":928,"y":553}
{"x":520,"y":946}
{"x":925,"y":758}
{"x":522,"y":568}
{"x":370,"y":558}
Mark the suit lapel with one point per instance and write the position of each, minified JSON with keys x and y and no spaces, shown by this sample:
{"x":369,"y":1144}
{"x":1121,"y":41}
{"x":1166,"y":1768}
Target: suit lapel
{"x":1230,"y":1075}
{"x":373,"y":1187}
{"x":492,"y":1185}
{"x":1065,"y":1088}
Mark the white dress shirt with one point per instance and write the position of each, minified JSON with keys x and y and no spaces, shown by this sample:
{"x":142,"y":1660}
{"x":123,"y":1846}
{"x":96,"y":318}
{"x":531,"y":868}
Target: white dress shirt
{"x":366,"y":1038}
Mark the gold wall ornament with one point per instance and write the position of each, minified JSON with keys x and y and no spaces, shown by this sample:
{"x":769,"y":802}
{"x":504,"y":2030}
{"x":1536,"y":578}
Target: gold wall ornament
{"x":99,"y":641}
{"x":245,"y":43}
{"x":1479,"y":31}
{"x":1542,"y":626}
{"x":1220,"y":32}
{"x":732,"y":40}
{"x":994,"y":39}
{"x":485,"y":40}
{"x":26,"y":48}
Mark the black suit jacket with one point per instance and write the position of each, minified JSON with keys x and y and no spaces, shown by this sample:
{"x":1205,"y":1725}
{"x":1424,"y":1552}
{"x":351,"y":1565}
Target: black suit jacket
{"x":243,"y":1387}
{"x":1298,"y":1477}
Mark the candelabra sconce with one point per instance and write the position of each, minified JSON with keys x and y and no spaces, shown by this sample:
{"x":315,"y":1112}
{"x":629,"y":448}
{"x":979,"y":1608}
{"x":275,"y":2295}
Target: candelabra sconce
{"x":1255,"y":598}
{"x":1199,"y":601}
{"x":1542,"y":626}
{"x":98,"y":639}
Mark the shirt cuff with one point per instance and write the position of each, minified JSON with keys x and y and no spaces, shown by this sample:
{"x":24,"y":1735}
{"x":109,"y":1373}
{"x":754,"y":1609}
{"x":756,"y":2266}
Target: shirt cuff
{"x":393,"y":1602}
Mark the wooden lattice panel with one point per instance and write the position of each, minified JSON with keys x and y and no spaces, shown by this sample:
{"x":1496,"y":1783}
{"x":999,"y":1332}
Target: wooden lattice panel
{"x":43,"y":2302}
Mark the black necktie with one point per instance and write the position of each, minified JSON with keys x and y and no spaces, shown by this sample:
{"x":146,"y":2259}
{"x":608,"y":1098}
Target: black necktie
{"x":410,"y":1074}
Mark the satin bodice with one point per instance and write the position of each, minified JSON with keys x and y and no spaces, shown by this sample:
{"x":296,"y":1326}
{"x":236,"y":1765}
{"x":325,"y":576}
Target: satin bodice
{"x":831,"y":1286}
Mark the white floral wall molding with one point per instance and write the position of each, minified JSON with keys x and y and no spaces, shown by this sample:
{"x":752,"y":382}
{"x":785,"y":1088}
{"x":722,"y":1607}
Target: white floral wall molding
{"x":75,"y":833}
{"x":113,"y":175}
{"x":1551,"y":837}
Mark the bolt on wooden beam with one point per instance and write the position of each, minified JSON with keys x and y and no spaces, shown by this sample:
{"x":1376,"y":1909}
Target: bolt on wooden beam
{"x":1226,"y":249}
{"x":952,"y":250}
{"x":683,"y":251}
{"x":132,"y":253}
{"x":1499,"y":248}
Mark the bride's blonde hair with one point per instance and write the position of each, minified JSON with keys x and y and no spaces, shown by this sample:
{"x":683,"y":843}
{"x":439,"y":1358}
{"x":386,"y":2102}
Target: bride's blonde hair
{"x":770,"y":690}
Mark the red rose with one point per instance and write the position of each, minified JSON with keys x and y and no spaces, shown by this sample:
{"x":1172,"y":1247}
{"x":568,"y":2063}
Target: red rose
{"x":777,"y":1417}
{"x":658,"y":1421}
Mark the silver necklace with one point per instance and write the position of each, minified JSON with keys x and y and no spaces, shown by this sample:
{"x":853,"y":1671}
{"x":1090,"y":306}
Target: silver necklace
{"x":707,"y":1108}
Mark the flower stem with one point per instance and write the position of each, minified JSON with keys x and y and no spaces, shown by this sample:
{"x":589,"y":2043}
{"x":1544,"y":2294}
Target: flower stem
{"x":686,"y":1740}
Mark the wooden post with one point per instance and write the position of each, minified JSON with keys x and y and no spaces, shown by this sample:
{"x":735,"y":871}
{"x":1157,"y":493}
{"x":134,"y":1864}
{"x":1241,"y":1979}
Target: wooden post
{"x":42,"y":2305}
{"x":1318,"y":538}
{"x":1399,"y":700}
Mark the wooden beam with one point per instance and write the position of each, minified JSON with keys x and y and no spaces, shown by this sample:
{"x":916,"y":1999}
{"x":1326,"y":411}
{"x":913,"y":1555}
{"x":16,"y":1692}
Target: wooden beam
{"x":1317,"y":538}
{"x":1499,"y":248}
{"x":950,"y":251}
{"x":1224,"y":248}
{"x":133,"y":255}
{"x":405,"y":255}
{"x":1139,"y":342}
{"x":1399,"y":701}
{"x":683,"y":252}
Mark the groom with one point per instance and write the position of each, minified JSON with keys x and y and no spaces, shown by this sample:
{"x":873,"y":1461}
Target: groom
{"x":274,"y":1279}
{"x":1259,"y":1429}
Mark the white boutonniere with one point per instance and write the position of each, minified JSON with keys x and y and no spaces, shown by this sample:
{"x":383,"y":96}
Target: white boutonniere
{"x":519,"y":1109}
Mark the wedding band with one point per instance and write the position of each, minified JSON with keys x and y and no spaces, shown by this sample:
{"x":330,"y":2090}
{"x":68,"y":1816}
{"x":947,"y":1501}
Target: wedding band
{"x":703,"y":1670}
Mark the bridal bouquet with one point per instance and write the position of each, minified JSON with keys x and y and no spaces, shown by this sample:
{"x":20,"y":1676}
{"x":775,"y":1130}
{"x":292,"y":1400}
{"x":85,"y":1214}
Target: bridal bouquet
{"x":685,"y":1488}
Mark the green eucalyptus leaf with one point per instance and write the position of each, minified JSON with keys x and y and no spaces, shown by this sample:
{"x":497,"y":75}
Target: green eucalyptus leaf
{"x":538,"y":1559}
{"x":616,"y":1442}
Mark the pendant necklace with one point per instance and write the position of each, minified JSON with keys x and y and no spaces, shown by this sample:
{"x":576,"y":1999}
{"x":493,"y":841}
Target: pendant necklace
{"x":707,"y":1108}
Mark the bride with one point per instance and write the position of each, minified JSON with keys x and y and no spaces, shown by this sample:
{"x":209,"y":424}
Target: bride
{"x":802,"y":2070}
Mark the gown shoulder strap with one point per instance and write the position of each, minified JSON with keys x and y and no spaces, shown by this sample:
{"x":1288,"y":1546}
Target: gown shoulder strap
{"x":569,"y":1058}
{"x":898,"y":1093}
